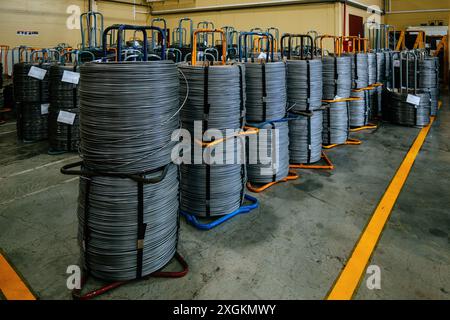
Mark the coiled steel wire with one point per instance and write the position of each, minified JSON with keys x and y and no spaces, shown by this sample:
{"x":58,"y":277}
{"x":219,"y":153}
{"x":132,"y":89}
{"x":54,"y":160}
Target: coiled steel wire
{"x":335,"y":123}
{"x":110,"y":250}
{"x":305,"y":84}
{"x":129,"y":111}
{"x":275,"y":149}
{"x":266,"y":91}
{"x":305,"y":138}
{"x":337,"y":81}
{"x":381,"y":67}
{"x":360,"y":76}
{"x":359,"y":109}
{"x":397,"y":110}
{"x":372,"y":67}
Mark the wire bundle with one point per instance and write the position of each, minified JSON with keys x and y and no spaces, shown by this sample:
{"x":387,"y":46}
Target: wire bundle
{"x":304,"y":84}
{"x":400,"y":112}
{"x":266,"y":91}
{"x":358,"y":109}
{"x":30,"y":94}
{"x":428,"y":80}
{"x":111,"y":248}
{"x":381,"y":67}
{"x":128,"y":113}
{"x":225,"y":93}
{"x":64,"y":96}
{"x":335,"y":123}
{"x":337,"y":80}
{"x":128,"y":110}
{"x":305,"y":138}
{"x":372,"y":67}
{"x":388,"y":67}
{"x":274,"y":146}
{"x":360,"y":77}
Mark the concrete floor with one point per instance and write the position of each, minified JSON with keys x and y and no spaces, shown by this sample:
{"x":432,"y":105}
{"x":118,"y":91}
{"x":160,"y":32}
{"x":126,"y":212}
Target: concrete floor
{"x":293,"y":247}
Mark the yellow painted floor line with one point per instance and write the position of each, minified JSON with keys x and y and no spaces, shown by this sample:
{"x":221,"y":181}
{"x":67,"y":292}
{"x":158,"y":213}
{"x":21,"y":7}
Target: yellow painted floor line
{"x":11,"y":285}
{"x":348,"y":281}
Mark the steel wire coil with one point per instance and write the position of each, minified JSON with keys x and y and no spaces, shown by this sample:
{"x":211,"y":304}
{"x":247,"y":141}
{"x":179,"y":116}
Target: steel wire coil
{"x":29,"y":89}
{"x":305,"y":138}
{"x":360,"y":76}
{"x":335,"y":123}
{"x":428,"y":73}
{"x":225,"y":96}
{"x":359,"y":109}
{"x":32,"y":125}
{"x":63,"y":94}
{"x":63,"y":136}
{"x":304,"y":90}
{"x":212,"y":190}
{"x":275,"y":149}
{"x":337,"y":80}
{"x":381,"y":67}
{"x":128,"y":112}
{"x":373,"y":102}
{"x":388,"y":67}
{"x":434,"y":96}
{"x":111,"y":245}
{"x":265,"y":101}
{"x":398,"y":111}
{"x":372,"y":67}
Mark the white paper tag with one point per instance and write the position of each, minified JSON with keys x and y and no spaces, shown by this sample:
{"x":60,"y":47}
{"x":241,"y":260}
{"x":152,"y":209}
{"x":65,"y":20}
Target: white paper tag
{"x":415,"y":100}
{"x":44,"y":108}
{"x":37,"y":73}
{"x":396,"y":63}
{"x":66,"y":117}
{"x":71,"y":77}
{"x":337,"y":98}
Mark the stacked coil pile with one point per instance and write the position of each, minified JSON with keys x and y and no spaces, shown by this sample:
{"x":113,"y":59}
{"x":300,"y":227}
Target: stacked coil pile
{"x":32,"y":98}
{"x":428,"y":80}
{"x":128,"y":210}
{"x":381,"y":67}
{"x":305,"y":138}
{"x":216,"y":100}
{"x":388,"y":67}
{"x":272,"y":143}
{"x":372,"y":67}
{"x":64,"y":97}
{"x":336,"y":123}
{"x":358,"y":109}
{"x":400,"y":112}
{"x":337,"y":80}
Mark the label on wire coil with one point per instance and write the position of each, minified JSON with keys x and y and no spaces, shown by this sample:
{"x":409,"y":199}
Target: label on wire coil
{"x":37,"y":73}
{"x":71,"y":77}
{"x":66,"y":117}
{"x":44,"y":108}
{"x":412,"y":99}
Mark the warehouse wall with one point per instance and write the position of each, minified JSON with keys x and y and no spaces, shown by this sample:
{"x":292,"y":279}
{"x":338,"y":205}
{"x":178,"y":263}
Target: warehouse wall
{"x":49,"y":17}
{"x":403,"y":20}
{"x":324,"y":18}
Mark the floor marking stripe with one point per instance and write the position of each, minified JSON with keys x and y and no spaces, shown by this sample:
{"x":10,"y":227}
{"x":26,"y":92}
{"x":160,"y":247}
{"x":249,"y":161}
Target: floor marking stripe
{"x":11,"y":285}
{"x":348,"y":281}
{"x":38,"y":167}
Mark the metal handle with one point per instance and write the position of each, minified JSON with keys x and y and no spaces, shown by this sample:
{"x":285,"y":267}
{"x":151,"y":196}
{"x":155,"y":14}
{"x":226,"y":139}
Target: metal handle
{"x":243,"y":44}
{"x":302,"y":38}
{"x":194,"y":48}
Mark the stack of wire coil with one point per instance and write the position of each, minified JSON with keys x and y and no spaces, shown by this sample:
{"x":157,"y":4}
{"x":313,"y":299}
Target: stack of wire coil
{"x":128,"y":210}
{"x":373,"y":93}
{"x":336,"y":123}
{"x":64,"y":97}
{"x":358,"y":109}
{"x":428,"y":80}
{"x":403,"y":113}
{"x":337,"y":81}
{"x":305,"y":91}
{"x":32,"y":97}
{"x":265,"y":106}
{"x":216,"y":100}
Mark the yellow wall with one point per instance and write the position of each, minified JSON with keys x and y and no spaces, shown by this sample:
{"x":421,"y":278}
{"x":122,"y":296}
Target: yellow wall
{"x":48,"y":17}
{"x":404,"y":20}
